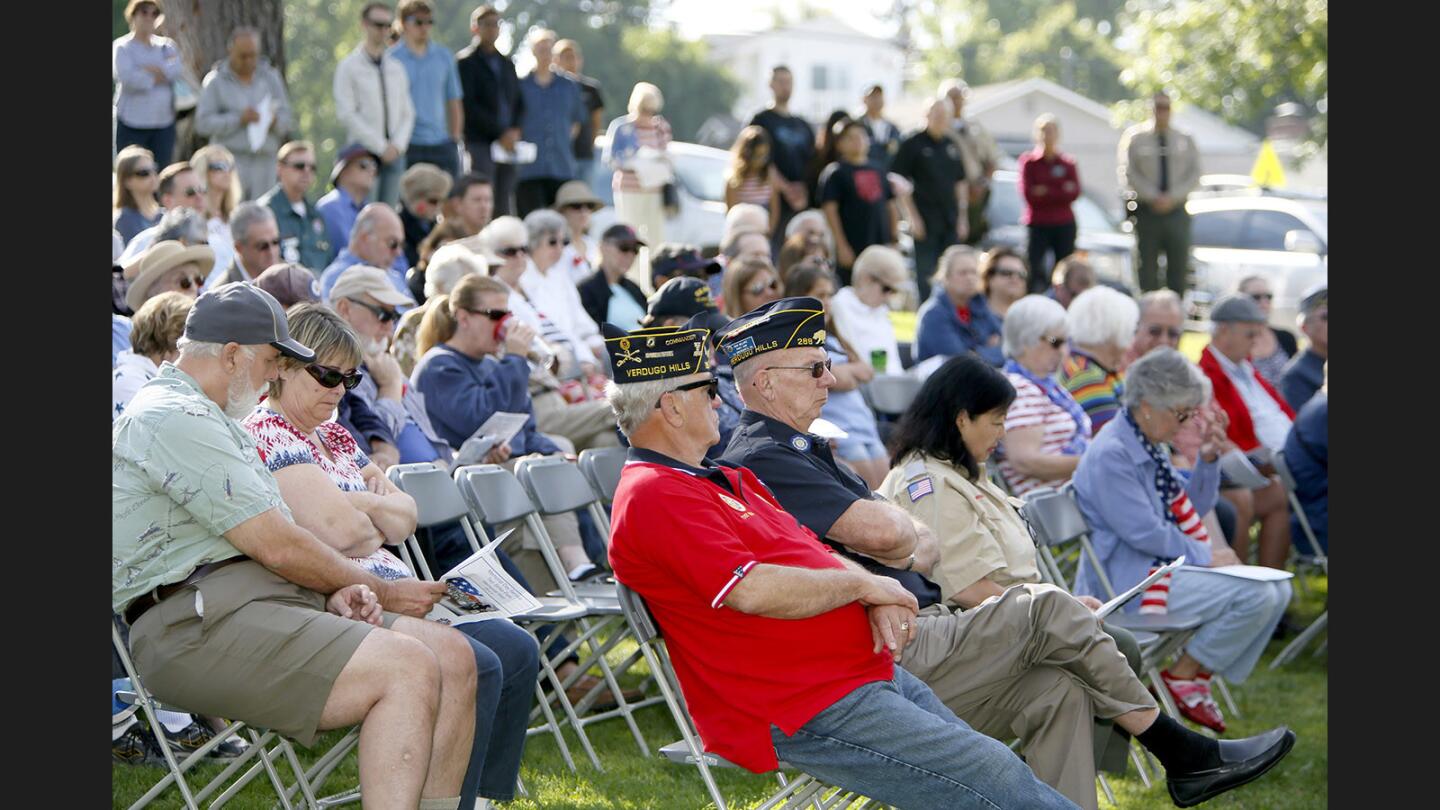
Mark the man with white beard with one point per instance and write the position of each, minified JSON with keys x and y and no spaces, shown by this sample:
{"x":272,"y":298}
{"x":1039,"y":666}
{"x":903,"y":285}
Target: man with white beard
{"x":236,"y":611}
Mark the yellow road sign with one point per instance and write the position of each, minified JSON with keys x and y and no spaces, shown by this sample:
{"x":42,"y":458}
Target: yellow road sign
{"x":1267,"y":172}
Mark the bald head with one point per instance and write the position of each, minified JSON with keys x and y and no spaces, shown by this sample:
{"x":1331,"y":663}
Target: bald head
{"x":937,"y":116}
{"x":378,"y":236}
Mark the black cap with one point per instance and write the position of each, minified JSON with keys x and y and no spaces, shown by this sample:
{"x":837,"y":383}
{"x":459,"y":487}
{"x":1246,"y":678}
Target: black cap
{"x":685,"y":297}
{"x":656,"y":353}
{"x":684,"y":262}
{"x":1314,"y":298}
{"x":620,"y":232}
{"x":349,"y":153}
{"x":785,"y":324}
{"x":245,"y":314}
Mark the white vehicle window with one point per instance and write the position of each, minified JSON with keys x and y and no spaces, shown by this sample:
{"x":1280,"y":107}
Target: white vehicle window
{"x":1268,"y":228}
{"x":1218,"y":228}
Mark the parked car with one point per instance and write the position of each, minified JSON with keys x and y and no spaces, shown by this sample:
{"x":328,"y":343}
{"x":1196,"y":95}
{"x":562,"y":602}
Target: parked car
{"x":1111,"y":250}
{"x":700,"y":186}
{"x":1283,"y":239}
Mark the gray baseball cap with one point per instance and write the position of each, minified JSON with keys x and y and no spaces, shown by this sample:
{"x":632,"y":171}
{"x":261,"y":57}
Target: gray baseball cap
{"x":1236,"y":309}
{"x":245,"y":314}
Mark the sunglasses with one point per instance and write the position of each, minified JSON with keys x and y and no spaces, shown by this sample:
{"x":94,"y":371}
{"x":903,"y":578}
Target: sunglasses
{"x":143,"y":172}
{"x":1258,"y":297}
{"x":1010,"y":272}
{"x":1055,"y":342}
{"x":393,"y":244}
{"x":263,"y":245}
{"x":420,"y":21}
{"x":512,"y":252}
{"x":186,"y":282}
{"x":553,"y":242}
{"x":219,"y":167}
{"x":1183,"y":416}
{"x":816,"y":369}
{"x":302,"y":167}
{"x":366,"y":164}
{"x":576,"y":207}
{"x":331,"y":377}
{"x":146,"y":11}
{"x":378,"y":23}
{"x":628,"y":247}
{"x":756,"y":289}
{"x":1156,"y":330}
{"x":492,"y":314}
{"x":381,"y":314}
{"x":886,"y":288}
{"x":712,"y":384}
{"x":193,"y":191}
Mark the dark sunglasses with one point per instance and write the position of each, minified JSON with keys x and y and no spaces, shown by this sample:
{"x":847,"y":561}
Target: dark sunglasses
{"x":553,"y":242}
{"x":1156,"y":330}
{"x":1258,"y":297}
{"x":577,"y":207}
{"x":492,"y":314}
{"x":1010,"y":272}
{"x":628,"y":247}
{"x":219,"y":167}
{"x":421,"y":21}
{"x":263,"y":245}
{"x":381,"y":314}
{"x":512,"y":252}
{"x":393,"y":244}
{"x":379,"y":24}
{"x":302,"y":167}
{"x":142,"y":172}
{"x":186,"y":282}
{"x":816,"y":369}
{"x":193,"y":191}
{"x":366,"y":164}
{"x":756,"y":289}
{"x":331,"y":377}
{"x":886,"y":288}
{"x":1055,"y":342}
{"x":435,"y":200}
{"x":712,"y":384}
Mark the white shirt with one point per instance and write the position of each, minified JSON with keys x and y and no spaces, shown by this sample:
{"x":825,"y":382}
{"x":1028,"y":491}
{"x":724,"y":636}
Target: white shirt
{"x":217,"y":237}
{"x":575,"y":258}
{"x":554,"y":294}
{"x":551,"y":334}
{"x":131,"y":371}
{"x":1271,"y":423}
{"x":866,"y":328}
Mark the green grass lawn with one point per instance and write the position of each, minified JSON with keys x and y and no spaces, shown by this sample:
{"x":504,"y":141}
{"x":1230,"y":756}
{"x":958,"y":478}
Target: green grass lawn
{"x":1295,"y":695}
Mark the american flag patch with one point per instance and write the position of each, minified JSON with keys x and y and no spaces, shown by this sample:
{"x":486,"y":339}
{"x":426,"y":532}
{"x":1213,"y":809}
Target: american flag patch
{"x":920,"y":489}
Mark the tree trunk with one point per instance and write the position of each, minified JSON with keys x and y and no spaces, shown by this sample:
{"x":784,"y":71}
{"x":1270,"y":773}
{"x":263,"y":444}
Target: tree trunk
{"x":201,"y":29}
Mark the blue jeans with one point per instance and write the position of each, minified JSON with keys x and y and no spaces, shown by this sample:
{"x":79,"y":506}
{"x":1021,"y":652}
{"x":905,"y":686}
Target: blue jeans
{"x":506,"y":664}
{"x":387,"y":182}
{"x":445,"y":155}
{"x":160,"y":141}
{"x":895,"y":742}
{"x":1239,"y":616}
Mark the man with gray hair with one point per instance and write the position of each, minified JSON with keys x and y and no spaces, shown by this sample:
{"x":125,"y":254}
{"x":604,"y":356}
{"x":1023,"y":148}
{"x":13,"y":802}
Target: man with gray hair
{"x":1162,"y":322}
{"x":233,"y":96}
{"x":980,"y":153}
{"x":256,"y":248}
{"x":376,"y":240}
{"x":236,"y":611}
{"x":1305,"y":373}
{"x":931,"y":158}
{"x":747,"y":583}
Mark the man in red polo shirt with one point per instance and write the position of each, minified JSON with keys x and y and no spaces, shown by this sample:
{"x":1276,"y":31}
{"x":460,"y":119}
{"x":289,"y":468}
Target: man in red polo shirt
{"x":783,"y":648}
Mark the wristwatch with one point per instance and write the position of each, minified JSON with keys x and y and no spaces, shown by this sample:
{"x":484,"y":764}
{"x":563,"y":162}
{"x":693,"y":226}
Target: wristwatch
{"x":911,"y":564}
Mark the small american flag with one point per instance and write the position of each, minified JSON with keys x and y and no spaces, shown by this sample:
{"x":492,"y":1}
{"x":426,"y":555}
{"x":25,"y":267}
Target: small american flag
{"x":920,"y":489}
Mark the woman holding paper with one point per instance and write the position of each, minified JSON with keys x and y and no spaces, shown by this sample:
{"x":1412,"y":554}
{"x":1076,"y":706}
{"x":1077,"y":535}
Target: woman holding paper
{"x":635,"y":147}
{"x":333,"y":489}
{"x":1141,"y":516}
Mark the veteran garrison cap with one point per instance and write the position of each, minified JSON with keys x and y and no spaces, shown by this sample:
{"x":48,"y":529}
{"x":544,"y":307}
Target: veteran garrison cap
{"x":788,"y":323}
{"x":684,"y":297}
{"x":656,"y":353}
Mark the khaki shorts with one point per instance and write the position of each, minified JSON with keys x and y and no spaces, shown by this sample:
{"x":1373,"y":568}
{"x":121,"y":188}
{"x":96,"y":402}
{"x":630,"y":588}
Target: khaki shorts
{"x":264,"y":651}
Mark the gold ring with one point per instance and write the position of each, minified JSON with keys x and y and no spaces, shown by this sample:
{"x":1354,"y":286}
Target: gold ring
{"x":904,"y":625}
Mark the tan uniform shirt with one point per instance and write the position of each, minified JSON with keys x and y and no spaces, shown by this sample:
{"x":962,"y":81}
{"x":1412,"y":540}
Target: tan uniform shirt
{"x":979,"y":531}
{"x":1138,"y":162}
{"x":978,"y":149}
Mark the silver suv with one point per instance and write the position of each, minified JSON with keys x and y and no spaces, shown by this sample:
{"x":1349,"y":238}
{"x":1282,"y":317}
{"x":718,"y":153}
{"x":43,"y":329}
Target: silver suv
{"x":1284,"y":240}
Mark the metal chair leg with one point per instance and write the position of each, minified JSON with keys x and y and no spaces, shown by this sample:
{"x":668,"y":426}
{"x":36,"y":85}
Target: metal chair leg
{"x":1225,"y":695}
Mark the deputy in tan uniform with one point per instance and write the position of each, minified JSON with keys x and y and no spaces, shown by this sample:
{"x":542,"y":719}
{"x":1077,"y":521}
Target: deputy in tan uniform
{"x":1160,"y":166}
{"x":1032,"y":662}
{"x":979,"y":152}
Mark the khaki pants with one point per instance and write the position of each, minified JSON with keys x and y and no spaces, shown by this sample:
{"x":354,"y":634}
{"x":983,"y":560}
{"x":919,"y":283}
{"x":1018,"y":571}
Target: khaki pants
{"x":1032,"y":663}
{"x":584,"y":424}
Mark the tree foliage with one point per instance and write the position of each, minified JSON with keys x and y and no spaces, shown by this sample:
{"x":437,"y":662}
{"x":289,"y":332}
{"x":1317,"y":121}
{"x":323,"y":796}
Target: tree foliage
{"x":1235,"y":58}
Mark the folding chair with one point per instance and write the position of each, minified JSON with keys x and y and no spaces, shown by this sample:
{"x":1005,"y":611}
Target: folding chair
{"x":602,"y":466}
{"x":497,"y":497}
{"x":437,"y":502}
{"x":264,"y":747}
{"x":801,"y":791}
{"x":1318,"y":559}
{"x":892,"y":394}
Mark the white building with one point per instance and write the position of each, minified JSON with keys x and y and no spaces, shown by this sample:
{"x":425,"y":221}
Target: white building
{"x":832,"y":63}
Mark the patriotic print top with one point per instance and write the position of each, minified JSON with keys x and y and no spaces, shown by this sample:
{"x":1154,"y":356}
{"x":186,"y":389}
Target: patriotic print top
{"x":754,"y":190}
{"x":1061,"y":432}
{"x":281,"y":445}
{"x":1179,"y":511}
{"x":656,"y":134}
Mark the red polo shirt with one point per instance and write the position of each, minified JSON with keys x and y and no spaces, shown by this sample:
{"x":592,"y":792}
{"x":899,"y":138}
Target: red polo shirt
{"x":1061,"y":182}
{"x":683,"y":537}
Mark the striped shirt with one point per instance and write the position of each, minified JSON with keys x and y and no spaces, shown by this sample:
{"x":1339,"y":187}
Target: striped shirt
{"x":656,"y":135}
{"x":754,"y":190}
{"x":1032,"y":408}
{"x":1095,"y":387}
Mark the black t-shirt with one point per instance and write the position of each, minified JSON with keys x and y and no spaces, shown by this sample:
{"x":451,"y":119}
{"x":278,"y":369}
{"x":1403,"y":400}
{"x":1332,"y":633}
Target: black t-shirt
{"x":792,"y":142}
{"x":585,"y":138}
{"x":862,"y":192}
{"x":935,"y":166}
{"x":801,"y":472}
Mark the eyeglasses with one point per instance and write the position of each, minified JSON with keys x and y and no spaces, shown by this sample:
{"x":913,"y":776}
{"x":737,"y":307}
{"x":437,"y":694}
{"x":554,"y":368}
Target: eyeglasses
{"x":1182,"y":416}
{"x":512,"y":252}
{"x":381,"y":314}
{"x":263,"y":245}
{"x":553,"y":242}
{"x":575,"y":207}
{"x":393,"y":244}
{"x":628,"y":247}
{"x":143,"y":172}
{"x":367,"y":164}
{"x":756,"y":289}
{"x":1156,"y":330}
{"x":1055,"y":342}
{"x":219,"y":167}
{"x":712,"y":384}
{"x":434,"y":200}
{"x":886,"y":288}
{"x":1258,"y":297}
{"x":302,"y":167}
{"x":816,"y":369}
{"x":193,"y":191}
{"x":379,"y":23}
{"x":492,"y":314}
{"x":146,"y":11}
{"x":1010,"y":272}
{"x":186,"y":282}
{"x":331,"y":377}
{"x":420,"y":21}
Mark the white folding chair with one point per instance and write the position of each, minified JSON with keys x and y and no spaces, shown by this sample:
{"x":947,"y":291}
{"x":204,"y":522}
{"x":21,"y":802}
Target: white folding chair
{"x":1318,"y":559}
{"x":800,"y":791}
{"x":265,"y":746}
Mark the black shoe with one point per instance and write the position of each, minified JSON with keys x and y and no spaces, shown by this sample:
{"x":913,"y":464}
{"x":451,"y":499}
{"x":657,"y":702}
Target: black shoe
{"x":1241,"y":761}
{"x":187,"y":740}
{"x":135,"y":747}
{"x":1284,"y":628}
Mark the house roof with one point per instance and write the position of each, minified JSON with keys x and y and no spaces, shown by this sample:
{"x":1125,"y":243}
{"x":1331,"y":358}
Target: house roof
{"x":989,"y":96}
{"x":822,"y":27}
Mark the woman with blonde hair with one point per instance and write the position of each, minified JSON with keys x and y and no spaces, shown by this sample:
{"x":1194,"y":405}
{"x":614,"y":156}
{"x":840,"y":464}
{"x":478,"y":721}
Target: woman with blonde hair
{"x":216,"y":164}
{"x":748,"y":178}
{"x":154,"y":331}
{"x":748,"y":284}
{"x":639,"y":141}
{"x":136,"y":179}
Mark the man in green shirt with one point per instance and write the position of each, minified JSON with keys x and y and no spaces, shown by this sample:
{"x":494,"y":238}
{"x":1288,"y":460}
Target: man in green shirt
{"x":236,"y":611}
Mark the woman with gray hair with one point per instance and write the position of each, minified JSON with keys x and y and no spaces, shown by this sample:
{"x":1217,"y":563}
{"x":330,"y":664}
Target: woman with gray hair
{"x":1102,"y":327}
{"x":548,"y":287}
{"x":1046,"y":430}
{"x":1143,"y":513}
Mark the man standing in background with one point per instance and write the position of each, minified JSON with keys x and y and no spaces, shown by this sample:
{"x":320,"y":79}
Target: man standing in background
{"x":493,"y":105}
{"x":1160,"y":166}
{"x":981,"y":155}
{"x":372,"y":101}
{"x":570,"y":60}
{"x":792,"y":147}
{"x":434,"y":89}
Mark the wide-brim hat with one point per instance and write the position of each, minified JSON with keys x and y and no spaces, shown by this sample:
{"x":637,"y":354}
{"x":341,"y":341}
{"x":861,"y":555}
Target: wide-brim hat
{"x":156,"y":261}
{"x":577,"y":192}
{"x":349,"y":153}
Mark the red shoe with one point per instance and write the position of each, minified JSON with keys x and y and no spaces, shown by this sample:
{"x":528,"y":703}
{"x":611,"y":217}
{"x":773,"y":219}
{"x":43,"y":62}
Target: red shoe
{"x":1193,"y":699}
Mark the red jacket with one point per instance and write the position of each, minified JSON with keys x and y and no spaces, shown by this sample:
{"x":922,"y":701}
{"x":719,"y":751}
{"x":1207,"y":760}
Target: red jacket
{"x":1061,"y":182}
{"x":1242,"y":429}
